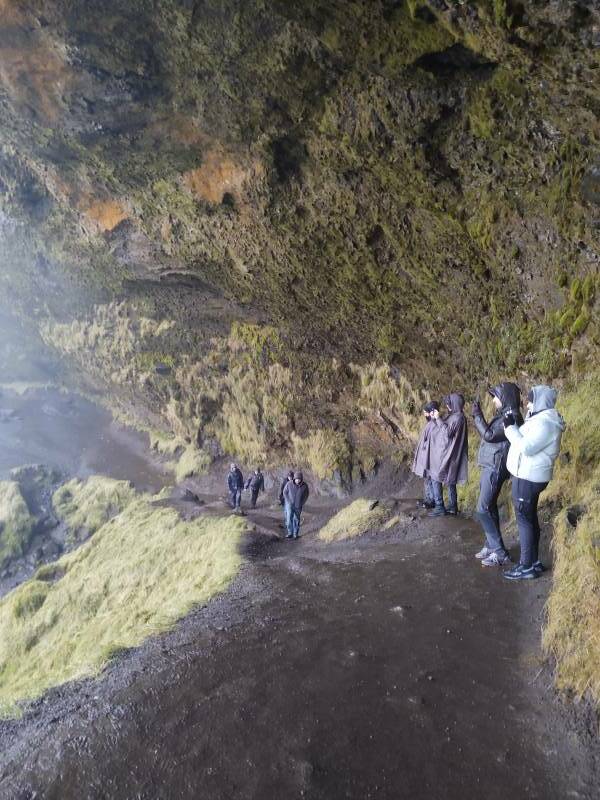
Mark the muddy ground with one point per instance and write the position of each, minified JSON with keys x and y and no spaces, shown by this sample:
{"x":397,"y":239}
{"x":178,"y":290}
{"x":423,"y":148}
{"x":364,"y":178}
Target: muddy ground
{"x":393,"y":666}
{"x":390,"y":667}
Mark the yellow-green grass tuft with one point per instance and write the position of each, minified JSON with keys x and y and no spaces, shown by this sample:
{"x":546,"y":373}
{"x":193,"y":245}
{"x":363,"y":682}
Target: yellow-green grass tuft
{"x":166,"y":444}
{"x":354,"y":520}
{"x":192,"y":462}
{"x":16,"y":523}
{"x":323,"y":451}
{"x":141,"y":572}
{"x":86,"y":505}
{"x":572,"y":630}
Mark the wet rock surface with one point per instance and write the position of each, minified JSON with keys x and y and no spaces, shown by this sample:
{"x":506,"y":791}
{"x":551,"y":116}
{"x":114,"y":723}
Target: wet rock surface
{"x":393,"y":666}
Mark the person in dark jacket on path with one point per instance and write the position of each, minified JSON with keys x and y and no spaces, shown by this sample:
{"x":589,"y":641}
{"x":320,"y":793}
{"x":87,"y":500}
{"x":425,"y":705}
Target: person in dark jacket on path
{"x":421,"y":465}
{"x":449,"y":454}
{"x":295,"y":495}
{"x":235,"y":484}
{"x":491,"y":459}
{"x":256,"y":484}
{"x":286,"y":507}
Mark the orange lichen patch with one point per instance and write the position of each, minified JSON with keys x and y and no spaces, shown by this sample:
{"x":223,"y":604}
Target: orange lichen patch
{"x":33,"y":70}
{"x":10,"y":13}
{"x":219,"y":175}
{"x":106,"y":214}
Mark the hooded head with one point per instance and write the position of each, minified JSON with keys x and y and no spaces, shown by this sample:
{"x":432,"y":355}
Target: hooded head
{"x":508,"y":394}
{"x":298,"y":476}
{"x":232,"y":467}
{"x":290,"y":475}
{"x":542,"y":398}
{"x":455,"y":402}
{"x":432,"y":405}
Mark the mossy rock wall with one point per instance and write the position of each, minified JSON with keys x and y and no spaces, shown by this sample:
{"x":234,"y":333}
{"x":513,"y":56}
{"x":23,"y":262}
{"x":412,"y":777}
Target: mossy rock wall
{"x":410,"y":185}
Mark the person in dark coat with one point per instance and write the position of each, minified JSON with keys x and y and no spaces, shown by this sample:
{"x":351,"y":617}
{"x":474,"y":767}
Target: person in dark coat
{"x":235,"y":484}
{"x":420,"y":465}
{"x":256,"y":484}
{"x":449,"y":454}
{"x":295,"y":495}
{"x":286,"y":508}
{"x":491,"y":460}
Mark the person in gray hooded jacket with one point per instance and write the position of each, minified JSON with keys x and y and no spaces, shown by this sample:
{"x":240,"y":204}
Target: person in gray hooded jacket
{"x":491,"y":459}
{"x":534,"y":448}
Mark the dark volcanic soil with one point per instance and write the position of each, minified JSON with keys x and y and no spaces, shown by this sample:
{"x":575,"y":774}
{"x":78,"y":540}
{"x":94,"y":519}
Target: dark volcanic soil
{"x":390,"y":667}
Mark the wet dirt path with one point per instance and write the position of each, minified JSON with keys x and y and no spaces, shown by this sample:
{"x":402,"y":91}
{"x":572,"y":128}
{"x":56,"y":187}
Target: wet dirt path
{"x":374,"y":669}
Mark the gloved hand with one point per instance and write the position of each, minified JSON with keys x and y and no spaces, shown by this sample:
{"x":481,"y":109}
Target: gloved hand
{"x":509,"y":418}
{"x":476,"y":409}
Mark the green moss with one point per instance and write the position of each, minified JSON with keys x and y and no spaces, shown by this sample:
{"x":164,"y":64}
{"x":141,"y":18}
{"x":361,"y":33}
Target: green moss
{"x":16,"y":522}
{"x":588,"y":289}
{"x":581,"y":323}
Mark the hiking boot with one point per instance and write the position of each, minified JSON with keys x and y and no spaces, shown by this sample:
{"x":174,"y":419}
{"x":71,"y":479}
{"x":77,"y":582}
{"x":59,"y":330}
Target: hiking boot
{"x":483,"y":553}
{"x":289,"y":536}
{"x":520,"y":573}
{"x":425,"y":504}
{"x":438,"y":511}
{"x":539,"y":567}
{"x":497,"y":558}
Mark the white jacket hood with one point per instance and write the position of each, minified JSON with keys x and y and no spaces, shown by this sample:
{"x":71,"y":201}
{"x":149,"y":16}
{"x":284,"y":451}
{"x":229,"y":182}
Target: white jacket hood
{"x":534,"y":446}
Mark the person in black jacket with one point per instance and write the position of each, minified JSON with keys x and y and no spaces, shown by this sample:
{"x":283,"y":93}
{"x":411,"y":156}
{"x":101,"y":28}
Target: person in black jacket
{"x":491,"y":459}
{"x":235,"y":484}
{"x":256,"y":484}
{"x":295,"y":495}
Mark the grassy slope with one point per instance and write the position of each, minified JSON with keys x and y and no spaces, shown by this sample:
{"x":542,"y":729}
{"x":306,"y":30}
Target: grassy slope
{"x":16,"y":523}
{"x":572,"y":631}
{"x":137,"y":576}
{"x":88,"y":505}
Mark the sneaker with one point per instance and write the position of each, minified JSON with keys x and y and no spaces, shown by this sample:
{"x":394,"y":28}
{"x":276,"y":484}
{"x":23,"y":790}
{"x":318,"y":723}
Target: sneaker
{"x":483,"y":553}
{"x":452,"y":511}
{"x":438,"y":511}
{"x":289,"y":536}
{"x":539,"y":567}
{"x":496,"y":559}
{"x":520,"y":573}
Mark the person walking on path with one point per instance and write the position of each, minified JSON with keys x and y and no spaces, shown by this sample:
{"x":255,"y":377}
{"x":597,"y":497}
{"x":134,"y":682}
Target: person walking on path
{"x":282,"y":501}
{"x":449,"y":454}
{"x":256,"y":484}
{"x":295,"y":494}
{"x":235,"y":484}
{"x":491,"y":460}
{"x":534,"y":447}
{"x":421,"y":460}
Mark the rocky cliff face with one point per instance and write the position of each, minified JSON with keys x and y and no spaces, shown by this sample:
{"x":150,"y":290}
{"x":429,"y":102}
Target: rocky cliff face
{"x":263,"y":222}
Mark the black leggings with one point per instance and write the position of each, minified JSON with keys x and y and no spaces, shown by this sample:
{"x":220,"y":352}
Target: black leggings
{"x":525,"y":496}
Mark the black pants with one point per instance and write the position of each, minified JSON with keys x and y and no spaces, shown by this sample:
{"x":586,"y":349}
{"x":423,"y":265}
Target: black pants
{"x":525,"y":495}
{"x":253,"y":497}
{"x":490,"y":486}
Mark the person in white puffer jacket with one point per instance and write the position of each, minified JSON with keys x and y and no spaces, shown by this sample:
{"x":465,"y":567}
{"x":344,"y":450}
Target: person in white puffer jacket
{"x":534,"y":448}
